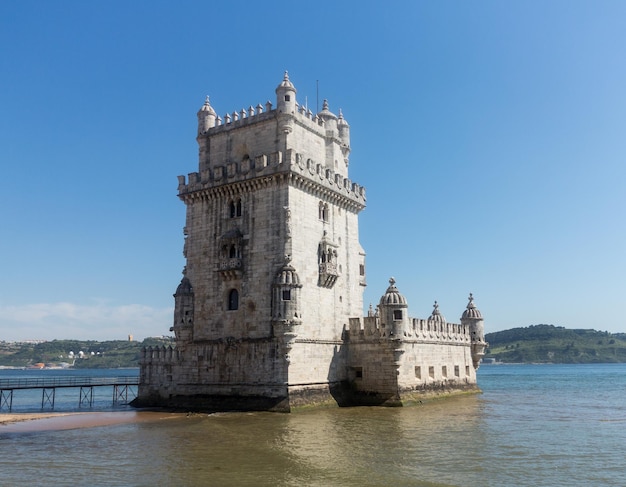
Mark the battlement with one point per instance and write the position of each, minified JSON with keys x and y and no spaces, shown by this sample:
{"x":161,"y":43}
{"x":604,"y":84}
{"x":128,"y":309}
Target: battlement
{"x":266,"y":165}
{"x":420,"y":330}
{"x":250,"y":115}
{"x":159,"y":355}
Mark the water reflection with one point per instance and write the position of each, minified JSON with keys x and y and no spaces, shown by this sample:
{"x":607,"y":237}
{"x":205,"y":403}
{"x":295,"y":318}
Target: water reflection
{"x":433,"y":444}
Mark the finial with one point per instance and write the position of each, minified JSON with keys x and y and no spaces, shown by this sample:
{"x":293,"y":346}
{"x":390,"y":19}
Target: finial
{"x":206,"y":102}
{"x":392,"y":281}
{"x":470,"y":305}
{"x":436,"y":308}
{"x":325,"y":104}
{"x":340,"y":114}
{"x":286,"y":78}
{"x":287,"y":258}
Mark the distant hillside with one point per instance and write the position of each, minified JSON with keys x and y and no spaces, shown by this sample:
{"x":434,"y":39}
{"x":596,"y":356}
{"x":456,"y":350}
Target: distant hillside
{"x":82,"y":354}
{"x":555,"y":344}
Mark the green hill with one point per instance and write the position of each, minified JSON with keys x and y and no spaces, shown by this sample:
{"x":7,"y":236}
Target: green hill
{"x":555,"y":344}
{"x":82,"y":354}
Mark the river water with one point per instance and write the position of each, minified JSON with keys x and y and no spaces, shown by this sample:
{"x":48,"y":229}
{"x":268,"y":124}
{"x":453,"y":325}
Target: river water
{"x":534,"y":425}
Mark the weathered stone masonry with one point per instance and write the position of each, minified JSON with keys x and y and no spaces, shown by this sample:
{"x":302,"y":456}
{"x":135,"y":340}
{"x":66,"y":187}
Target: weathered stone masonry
{"x":268,"y":313}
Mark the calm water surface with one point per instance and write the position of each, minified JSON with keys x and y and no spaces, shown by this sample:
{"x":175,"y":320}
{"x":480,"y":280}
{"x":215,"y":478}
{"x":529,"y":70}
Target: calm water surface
{"x":534,"y":425}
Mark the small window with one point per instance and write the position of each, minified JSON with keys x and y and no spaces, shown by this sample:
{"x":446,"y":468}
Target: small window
{"x":397,"y":314}
{"x":287,"y":98}
{"x":444,"y":371}
{"x":358,"y":372}
{"x":456,"y":371}
{"x":467,"y":370}
{"x":234,"y":208}
{"x":362,"y":270}
{"x":431,"y":372}
{"x":286,"y":294}
{"x":233,"y":300}
{"x":418,"y":371}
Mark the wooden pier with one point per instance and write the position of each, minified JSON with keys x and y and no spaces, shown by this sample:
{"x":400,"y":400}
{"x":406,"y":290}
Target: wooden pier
{"x":123,"y":388}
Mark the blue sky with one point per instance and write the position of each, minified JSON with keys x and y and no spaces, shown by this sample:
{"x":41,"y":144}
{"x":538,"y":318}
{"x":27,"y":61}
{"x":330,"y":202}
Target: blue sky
{"x":490,"y":137}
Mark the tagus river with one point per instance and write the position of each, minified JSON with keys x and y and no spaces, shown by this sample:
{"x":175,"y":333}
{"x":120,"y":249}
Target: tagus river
{"x":534,"y":425}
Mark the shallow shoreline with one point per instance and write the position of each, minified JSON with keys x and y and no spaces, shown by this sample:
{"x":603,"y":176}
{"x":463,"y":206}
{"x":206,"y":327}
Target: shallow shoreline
{"x":35,"y":422}
{"x":8,"y":418}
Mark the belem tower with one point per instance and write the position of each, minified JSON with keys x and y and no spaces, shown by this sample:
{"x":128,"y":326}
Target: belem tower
{"x":268,"y":314}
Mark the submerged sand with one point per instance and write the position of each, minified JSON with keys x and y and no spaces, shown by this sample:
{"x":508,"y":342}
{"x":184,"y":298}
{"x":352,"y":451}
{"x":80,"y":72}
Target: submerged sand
{"x":23,"y":422}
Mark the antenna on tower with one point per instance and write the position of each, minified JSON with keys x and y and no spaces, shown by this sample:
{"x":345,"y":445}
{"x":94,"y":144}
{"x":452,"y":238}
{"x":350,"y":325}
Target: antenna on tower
{"x":317,"y":96}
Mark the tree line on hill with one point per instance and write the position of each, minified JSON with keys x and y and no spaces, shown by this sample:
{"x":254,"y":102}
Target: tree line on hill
{"x":555,"y":344}
{"x":79,"y":354}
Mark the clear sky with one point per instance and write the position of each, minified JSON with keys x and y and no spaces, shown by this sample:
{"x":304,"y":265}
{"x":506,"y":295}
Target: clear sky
{"x":490,"y":135}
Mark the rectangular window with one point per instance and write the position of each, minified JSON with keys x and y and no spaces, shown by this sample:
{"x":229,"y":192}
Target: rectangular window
{"x":286,"y":294}
{"x":467,"y":370}
{"x":431,"y":372}
{"x":358,"y":372}
{"x":361,"y":270}
{"x":418,"y":371}
{"x":397,"y":314}
{"x":444,"y":371}
{"x":456,"y":371}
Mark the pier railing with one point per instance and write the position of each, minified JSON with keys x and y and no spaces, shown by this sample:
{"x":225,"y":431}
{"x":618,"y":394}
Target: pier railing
{"x":122,"y":387}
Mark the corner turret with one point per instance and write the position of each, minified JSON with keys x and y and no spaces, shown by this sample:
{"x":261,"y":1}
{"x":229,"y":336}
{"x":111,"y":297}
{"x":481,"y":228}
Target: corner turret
{"x":329,"y":118}
{"x":183,"y":311}
{"x":393,"y":311}
{"x":206,"y":117}
{"x":344,"y":135}
{"x":474,"y":319}
{"x":286,"y":96}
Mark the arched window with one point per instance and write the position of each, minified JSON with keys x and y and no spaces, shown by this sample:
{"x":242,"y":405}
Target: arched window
{"x":234,"y":208}
{"x":323,"y":211}
{"x":233,"y":300}
{"x":232,"y":252}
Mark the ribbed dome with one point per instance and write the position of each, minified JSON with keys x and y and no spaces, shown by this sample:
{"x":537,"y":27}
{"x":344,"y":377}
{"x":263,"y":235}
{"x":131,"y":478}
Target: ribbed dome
{"x":472,"y":311}
{"x":436,"y":316}
{"x":184,"y":287}
{"x":285,"y":83}
{"x":287,"y":276}
{"x":326,"y":114}
{"x":207,"y":107}
{"x":392,"y":296}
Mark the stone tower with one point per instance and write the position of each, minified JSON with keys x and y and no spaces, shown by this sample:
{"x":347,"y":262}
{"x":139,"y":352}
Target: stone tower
{"x":268,"y":314}
{"x":273,"y":261}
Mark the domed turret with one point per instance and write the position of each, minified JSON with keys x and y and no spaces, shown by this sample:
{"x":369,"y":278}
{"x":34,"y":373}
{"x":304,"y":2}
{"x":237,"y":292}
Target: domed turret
{"x":436,"y":317}
{"x":286,"y":295}
{"x":474,"y":320}
{"x":344,"y":132}
{"x":330,"y":119}
{"x":393,"y":311}
{"x":206,"y":117}
{"x":183,"y":311}
{"x":286,"y":96}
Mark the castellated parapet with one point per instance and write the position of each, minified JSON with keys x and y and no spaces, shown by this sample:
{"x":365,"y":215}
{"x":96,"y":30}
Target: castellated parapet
{"x":268,"y":314}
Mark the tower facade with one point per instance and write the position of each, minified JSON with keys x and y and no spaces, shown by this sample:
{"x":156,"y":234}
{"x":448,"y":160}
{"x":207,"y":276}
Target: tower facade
{"x":268,"y":313}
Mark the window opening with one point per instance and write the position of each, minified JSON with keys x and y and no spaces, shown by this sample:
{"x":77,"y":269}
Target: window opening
{"x":233,"y":300}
